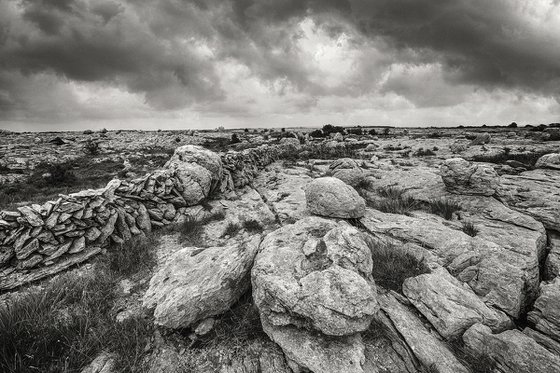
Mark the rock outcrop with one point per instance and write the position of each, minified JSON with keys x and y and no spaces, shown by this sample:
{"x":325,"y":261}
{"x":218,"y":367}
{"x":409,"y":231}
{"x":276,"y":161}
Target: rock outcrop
{"x":451,"y":306}
{"x":545,"y":315}
{"x":549,"y":161}
{"x":463,"y":177}
{"x":312,"y":285}
{"x":195,"y":284}
{"x":512,"y":351}
{"x":331,"y":197}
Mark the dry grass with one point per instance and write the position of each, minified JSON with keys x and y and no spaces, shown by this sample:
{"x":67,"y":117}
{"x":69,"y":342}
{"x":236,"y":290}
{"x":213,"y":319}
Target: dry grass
{"x":393,"y":265}
{"x":394,"y":201}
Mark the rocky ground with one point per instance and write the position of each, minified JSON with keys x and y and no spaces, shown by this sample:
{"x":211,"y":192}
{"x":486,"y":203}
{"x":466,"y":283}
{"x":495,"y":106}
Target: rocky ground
{"x":416,"y":250}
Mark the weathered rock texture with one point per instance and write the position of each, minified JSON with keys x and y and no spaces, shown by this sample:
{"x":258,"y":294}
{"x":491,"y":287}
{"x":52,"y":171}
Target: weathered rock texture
{"x":315,"y":274}
{"x":463,"y":177}
{"x":546,"y":312}
{"x":331,"y":197}
{"x":451,"y":306}
{"x":312,"y":285}
{"x":195,"y":284}
{"x":512,"y":351}
{"x":549,"y":161}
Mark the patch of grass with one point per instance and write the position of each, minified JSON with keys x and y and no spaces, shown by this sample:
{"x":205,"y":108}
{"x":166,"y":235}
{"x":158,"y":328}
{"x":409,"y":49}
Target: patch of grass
{"x":64,"y":326}
{"x":393,"y":265}
{"x":253,"y":226}
{"x":469,"y":228}
{"x":394,"y":201}
{"x":133,"y":255}
{"x":240,"y":324}
{"x":190,"y":231}
{"x":443,"y":207}
{"x":231,"y":229}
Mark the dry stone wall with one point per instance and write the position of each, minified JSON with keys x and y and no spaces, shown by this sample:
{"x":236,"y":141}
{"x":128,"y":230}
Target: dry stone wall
{"x":40,"y":240}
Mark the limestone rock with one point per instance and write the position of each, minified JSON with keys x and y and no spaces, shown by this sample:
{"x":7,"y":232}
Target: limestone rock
{"x":315,"y":274}
{"x":348,"y":170}
{"x":431,"y":352}
{"x":450,"y":305}
{"x":315,"y":352}
{"x":549,"y":161}
{"x":198,"y":170}
{"x":193,"y":285}
{"x":462,"y":177}
{"x":331,"y":197}
{"x":104,"y":363}
{"x":546,"y":313}
{"x":513,"y":351}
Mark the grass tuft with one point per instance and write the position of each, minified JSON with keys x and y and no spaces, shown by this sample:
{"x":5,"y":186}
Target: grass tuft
{"x":393,"y":265}
{"x":394,"y":201}
{"x":470,"y":229}
{"x":253,"y":226}
{"x":231,"y":229}
{"x":444,"y":208}
{"x":134,"y":255}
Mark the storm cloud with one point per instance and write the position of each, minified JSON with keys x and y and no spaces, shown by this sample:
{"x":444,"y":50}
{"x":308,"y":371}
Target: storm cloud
{"x":276,"y":61}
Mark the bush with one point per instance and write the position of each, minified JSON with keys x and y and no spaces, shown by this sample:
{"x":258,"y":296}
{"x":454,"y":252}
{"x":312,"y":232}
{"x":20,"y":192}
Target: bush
{"x":393,"y":265}
{"x":373,"y":132}
{"x":355,"y":131}
{"x":317,"y":133}
{"x":190,"y":231}
{"x":329,"y":128}
{"x":470,"y":229}
{"x":444,"y":208}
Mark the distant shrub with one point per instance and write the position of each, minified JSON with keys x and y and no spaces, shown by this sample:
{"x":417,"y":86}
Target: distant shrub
{"x":423,"y":153}
{"x":393,"y":265}
{"x":444,"y":208}
{"x":234,"y":139}
{"x":329,"y":128}
{"x":355,"y":131}
{"x":317,"y":133}
{"x":469,"y":228}
{"x":91,"y":147}
{"x":373,"y":132}
{"x":512,"y":125}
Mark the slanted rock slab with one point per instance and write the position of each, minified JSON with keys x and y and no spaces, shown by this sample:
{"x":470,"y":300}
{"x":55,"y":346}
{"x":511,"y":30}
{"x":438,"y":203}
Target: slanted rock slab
{"x":513,"y":351}
{"x":196,"y":284}
{"x":451,"y":306}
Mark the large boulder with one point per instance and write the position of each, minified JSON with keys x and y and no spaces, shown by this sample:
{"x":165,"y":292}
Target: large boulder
{"x":199,"y":171}
{"x":546,"y":313}
{"x":549,"y":161}
{"x":315,"y":274}
{"x":331,"y":197}
{"x":463,"y":177}
{"x":512,"y":351}
{"x":195,"y":284}
{"x":481,"y":139}
{"x":449,"y":305}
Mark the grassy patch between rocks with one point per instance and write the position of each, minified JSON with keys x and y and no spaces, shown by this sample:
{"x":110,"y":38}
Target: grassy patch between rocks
{"x":393,"y":265}
{"x":444,"y":208}
{"x":64,"y":326}
{"x":469,"y":228}
{"x":393,"y":201}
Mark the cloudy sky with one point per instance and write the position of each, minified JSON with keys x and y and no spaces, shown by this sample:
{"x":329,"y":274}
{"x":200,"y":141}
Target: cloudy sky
{"x":75,"y":64}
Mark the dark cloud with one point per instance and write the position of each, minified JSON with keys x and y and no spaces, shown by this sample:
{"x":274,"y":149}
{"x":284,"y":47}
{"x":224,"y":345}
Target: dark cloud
{"x":172,"y":52}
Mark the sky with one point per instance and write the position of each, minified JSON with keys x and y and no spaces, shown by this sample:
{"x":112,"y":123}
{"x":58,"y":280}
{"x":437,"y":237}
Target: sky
{"x":187,"y":64}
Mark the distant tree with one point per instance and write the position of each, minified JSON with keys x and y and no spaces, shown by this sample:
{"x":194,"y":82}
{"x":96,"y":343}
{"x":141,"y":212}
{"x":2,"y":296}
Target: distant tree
{"x":512,"y":125}
{"x":246,"y":130}
{"x":317,"y":133}
{"x":282,"y":130}
{"x":355,"y":131}
{"x":329,"y":128}
{"x":373,"y":132}
{"x":235,"y":138}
